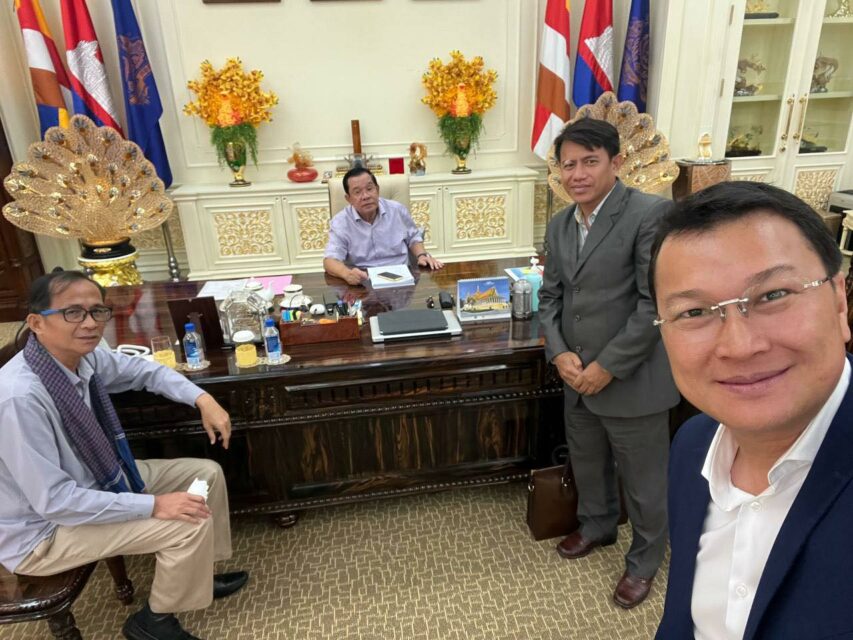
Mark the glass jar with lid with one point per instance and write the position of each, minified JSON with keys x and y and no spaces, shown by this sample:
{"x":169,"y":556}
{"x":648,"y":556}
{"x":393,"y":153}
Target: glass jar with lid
{"x":243,"y":310}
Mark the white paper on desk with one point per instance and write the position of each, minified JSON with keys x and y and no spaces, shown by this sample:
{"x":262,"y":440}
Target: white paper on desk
{"x":198,"y":488}
{"x":219,"y":289}
{"x":377,"y":281}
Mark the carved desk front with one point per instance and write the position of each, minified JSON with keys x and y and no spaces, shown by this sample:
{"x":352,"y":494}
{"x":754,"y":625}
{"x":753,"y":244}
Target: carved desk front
{"x":348,"y":421}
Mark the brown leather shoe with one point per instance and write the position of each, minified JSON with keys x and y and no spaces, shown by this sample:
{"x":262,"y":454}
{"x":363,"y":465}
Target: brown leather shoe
{"x":576,"y":546}
{"x":631,"y":590}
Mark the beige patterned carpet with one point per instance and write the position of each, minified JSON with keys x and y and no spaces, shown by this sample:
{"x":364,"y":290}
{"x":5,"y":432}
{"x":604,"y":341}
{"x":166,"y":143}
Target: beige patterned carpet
{"x":451,"y":566}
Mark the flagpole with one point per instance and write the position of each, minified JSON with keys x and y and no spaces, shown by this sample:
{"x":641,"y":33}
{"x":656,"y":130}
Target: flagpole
{"x":174,"y":268}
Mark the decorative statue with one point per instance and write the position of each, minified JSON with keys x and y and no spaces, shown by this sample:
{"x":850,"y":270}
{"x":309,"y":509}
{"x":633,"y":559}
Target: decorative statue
{"x":304,"y":170}
{"x":744,"y":143}
{"x":742,"y":86}
{"x":417,"y":158}
{"x":824,"y":68}
{"x":705,"y":154}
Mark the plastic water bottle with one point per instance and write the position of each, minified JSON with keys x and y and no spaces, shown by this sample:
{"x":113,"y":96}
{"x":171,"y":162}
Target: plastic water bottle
{"x":272,"y":341}
{"x":192,"y":347}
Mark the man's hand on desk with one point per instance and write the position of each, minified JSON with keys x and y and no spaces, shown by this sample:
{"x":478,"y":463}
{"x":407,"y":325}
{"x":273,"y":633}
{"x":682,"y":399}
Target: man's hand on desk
{"x":355,"y":276}
{"x":426,"y":260}
{"x":569,"y":366}
{"x":214,"y":418}
{"x":180,"y":506}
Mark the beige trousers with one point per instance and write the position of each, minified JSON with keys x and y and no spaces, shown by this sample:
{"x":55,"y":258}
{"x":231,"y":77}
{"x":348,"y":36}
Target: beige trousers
{"x":185,"y":552}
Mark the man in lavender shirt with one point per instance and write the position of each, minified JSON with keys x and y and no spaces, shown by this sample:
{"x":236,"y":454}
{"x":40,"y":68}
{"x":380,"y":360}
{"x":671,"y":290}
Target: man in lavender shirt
{"x":371,"y":232}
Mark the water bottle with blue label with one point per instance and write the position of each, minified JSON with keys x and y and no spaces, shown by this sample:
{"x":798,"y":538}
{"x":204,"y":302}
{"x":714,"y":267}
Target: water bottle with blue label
{"x":192,"y":347}
{"x":272,"y":341}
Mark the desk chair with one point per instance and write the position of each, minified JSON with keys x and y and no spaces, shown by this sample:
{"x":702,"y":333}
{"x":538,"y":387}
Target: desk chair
{"x":394,"y":187}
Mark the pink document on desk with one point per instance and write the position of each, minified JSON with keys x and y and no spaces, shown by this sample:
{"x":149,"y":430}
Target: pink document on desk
{"x":276,"y":283}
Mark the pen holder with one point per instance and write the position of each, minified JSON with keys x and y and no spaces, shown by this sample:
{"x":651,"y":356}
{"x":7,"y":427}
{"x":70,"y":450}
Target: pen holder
{"x":294,"y":333}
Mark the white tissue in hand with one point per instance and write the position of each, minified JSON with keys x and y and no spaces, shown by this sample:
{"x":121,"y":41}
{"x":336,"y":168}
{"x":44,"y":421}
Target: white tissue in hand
{"x":198,"y":488}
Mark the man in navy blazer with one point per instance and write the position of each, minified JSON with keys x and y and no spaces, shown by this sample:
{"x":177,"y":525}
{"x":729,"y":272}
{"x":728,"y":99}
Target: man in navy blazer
{"x":753,"y":314}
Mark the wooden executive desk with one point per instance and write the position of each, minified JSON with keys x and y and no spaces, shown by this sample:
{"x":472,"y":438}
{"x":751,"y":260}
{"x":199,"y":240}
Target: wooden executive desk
{"x":348,"y":421}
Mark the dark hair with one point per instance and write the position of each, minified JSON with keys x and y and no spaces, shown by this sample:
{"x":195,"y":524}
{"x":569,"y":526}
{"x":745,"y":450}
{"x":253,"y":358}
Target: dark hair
{"x":354,"y":173}
{"x":729,"y":201}
{"x":45,"y":287}
{"x":591,"y":134}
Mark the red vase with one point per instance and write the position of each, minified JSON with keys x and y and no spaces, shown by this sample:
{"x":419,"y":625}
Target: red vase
{"x":305,"y":174}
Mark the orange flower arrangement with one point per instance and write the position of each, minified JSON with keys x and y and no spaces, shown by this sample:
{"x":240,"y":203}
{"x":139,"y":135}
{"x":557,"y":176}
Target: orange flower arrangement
{"x":231,"y":103}
{"x":459,"y":93}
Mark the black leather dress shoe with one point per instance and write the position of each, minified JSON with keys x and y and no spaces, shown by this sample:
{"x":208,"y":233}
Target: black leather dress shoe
{"x":224,"y":584}
{"x":146,"y":625}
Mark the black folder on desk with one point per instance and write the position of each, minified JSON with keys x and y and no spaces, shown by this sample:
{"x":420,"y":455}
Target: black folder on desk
{"x":409,"y":321}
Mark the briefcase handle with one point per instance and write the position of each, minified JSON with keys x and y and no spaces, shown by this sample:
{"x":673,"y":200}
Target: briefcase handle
{"x":559,"y":456}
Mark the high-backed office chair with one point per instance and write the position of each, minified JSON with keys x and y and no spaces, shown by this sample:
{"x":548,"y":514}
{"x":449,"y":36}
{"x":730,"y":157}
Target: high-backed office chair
{"x":394,"y":187}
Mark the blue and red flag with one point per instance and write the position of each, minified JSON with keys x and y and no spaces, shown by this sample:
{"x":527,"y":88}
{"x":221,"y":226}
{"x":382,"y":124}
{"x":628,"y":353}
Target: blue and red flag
{"x":50,"y":82}
{"x":634,"y":79}
{"x":594,"y":62}
{"x":90,"y":91}
{"x":141,"y":99}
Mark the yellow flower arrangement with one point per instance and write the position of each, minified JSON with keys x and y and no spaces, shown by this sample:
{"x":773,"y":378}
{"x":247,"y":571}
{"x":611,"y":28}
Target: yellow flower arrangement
{"x":230,"y":96}
{"x":459,"y":93}
{"x":459,"y":79}
{"x":231,"y":103}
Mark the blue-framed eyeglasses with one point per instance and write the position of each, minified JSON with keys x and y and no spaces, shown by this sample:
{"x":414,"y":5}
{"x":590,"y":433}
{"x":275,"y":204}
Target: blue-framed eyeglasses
{"x":76,"y":315}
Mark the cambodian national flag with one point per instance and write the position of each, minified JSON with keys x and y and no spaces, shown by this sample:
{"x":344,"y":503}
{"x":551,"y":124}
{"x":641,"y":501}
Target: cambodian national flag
{"x":141,"y":99}
{"x":634,"y":78}
{"x":89,"y":88}
{"x":594,"y":63}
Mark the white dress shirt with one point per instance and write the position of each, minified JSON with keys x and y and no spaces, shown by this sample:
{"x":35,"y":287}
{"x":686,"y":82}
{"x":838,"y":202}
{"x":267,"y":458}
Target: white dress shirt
{"x":583,"y":229}
{"x":740,"y":528}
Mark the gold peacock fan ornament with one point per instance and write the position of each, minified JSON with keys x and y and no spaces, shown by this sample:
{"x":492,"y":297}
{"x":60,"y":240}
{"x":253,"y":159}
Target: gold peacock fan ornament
{"x":647,"y":165}
{"x":87,"y":182}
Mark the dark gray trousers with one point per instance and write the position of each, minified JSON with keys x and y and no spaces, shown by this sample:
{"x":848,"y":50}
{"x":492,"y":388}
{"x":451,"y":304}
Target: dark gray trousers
{"x":640,"y":449}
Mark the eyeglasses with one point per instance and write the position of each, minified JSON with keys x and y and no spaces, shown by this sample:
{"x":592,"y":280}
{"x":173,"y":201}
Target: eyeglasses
{"x":767,"y":302}
{"x":77,"y":315}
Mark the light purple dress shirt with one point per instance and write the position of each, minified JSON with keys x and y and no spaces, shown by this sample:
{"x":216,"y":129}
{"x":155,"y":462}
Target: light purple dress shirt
{"x":386,"y":241}
{"x":43,"y":482}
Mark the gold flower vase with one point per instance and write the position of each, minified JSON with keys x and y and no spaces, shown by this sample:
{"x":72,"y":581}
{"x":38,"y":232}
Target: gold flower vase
{"x":235,"y":158}
{"x":460,"y":149}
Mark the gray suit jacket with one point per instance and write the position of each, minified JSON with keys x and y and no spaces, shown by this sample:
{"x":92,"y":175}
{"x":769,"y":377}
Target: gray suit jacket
{"x":597,"y":303}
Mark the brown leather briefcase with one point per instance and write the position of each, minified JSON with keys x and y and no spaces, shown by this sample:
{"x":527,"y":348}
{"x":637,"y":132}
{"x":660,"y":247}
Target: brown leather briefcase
{"x":552,"y":502}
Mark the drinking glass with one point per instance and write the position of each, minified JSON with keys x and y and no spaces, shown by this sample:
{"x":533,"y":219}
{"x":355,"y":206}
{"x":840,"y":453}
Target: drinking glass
{"x":163,"y":351}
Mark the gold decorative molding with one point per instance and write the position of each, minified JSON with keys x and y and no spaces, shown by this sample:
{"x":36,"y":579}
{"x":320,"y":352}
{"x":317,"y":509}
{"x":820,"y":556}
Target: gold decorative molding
{"x":749,"y":177}
{"x":420,"y":214}
{"x":481,"y":217}
{"x":313,"y":223}
{"x":540,"y":203}
{"x":814,"y":186}
{"x":153,"y":238}
{"x":244,"y":233}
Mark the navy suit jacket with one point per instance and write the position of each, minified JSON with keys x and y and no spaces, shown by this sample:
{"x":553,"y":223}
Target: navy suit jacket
{"x":806,"y":588}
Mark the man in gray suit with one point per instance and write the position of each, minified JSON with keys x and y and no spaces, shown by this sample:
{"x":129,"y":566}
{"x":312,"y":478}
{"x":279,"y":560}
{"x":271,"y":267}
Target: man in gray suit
{"x":597,"y":315}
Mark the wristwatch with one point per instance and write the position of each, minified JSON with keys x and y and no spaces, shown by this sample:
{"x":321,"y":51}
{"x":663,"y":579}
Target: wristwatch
{"x":420,"y":255}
